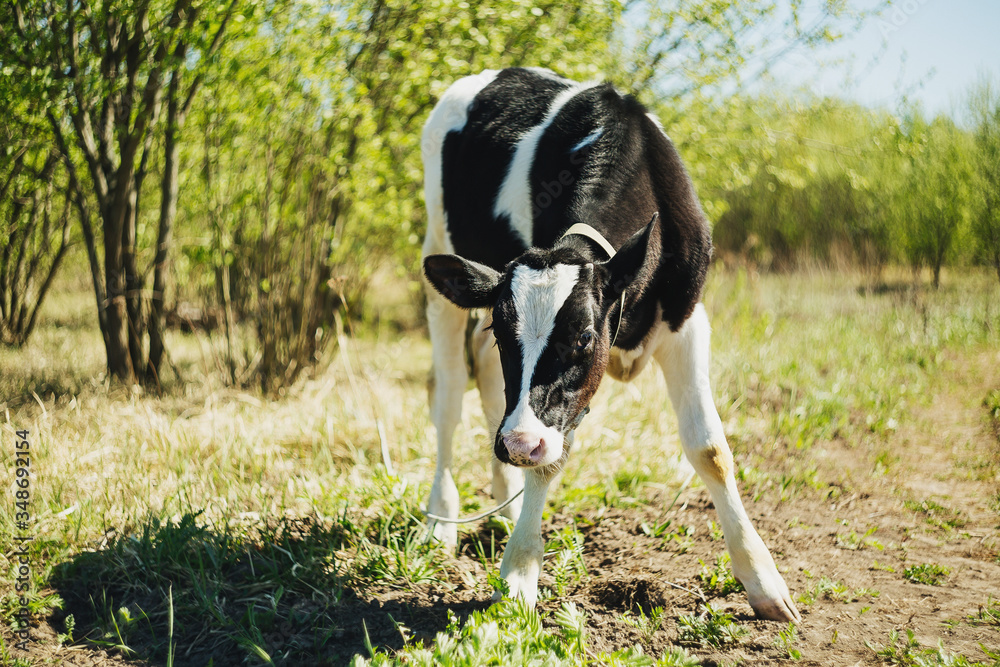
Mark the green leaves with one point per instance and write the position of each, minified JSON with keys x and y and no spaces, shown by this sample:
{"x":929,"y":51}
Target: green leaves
{"x":931,"y":574}
{"x":710,"y":628}
{"x":984,"y":108}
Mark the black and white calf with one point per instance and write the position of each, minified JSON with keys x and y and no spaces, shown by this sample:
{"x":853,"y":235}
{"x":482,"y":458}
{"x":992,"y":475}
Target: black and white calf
{"x":564,"y":210}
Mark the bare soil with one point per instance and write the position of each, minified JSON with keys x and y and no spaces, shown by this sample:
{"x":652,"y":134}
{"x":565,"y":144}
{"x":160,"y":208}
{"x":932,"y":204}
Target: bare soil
{"x":948,"y":453}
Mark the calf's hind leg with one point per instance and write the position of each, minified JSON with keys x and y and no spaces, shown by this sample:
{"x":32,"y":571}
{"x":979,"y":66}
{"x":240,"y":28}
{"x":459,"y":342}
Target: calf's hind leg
{"x":684,"y":358}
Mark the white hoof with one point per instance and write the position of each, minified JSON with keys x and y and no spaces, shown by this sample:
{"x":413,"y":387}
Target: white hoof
{"x":445,"y":533}
{"x":521,"y":566}
{"x":769,"y":595}
{"x":444,"y":503}
{"x":520,"y":587}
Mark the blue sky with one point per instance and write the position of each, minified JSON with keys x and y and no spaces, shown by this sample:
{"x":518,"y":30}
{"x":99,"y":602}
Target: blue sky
{"x":929,"y":50}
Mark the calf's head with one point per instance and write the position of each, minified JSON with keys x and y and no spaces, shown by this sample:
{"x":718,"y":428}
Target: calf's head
{"x":554,"y":315}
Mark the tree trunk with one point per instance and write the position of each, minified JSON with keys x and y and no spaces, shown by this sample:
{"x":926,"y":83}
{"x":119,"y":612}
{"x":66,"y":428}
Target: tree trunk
{"x":133,"y":289}
{"x":168,"y":213}
{"x":938,"y":261}
{"x":53,"y":268}
{"x":95,"y":267}
{"x":116,"y":338}
{"x":80,"y":202}
{"x":222,"y":284}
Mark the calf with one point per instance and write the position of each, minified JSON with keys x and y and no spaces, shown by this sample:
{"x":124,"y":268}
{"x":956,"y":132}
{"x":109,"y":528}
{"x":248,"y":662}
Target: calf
{"x":564,"y":211}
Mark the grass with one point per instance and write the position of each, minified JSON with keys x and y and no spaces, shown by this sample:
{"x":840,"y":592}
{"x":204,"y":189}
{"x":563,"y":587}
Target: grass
{"x":936,"y":514}
{"x":711,"y":627}
{"x":678,"y":539}
{"x":509,"y":633}
{"x":856,"y":542}
{"x":931,"y":574}
{"x":989,"y":613}
{"x":908,"y":653}
{"x":992,"y":403}
{"x":718,"y":578}
{"x":835,"y":591}
{"x":824,"y":588}
{"x":786,"y":641}
{"x":566,"y":559}
{"x":213,"y":519}
{"x":188,"y":570}
{"x":648,"y":625}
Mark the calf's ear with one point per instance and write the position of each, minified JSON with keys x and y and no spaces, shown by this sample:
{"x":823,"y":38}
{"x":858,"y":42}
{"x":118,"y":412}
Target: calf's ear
{"x":634,"y":260}
{"x":465,"y":283}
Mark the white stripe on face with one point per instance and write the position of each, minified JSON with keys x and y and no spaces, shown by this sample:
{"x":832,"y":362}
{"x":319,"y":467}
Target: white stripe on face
{"x":538,"y":295}
{"x":514,"y":198}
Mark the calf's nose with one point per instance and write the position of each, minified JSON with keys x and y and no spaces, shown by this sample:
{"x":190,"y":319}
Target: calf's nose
{"x":524,"y":449}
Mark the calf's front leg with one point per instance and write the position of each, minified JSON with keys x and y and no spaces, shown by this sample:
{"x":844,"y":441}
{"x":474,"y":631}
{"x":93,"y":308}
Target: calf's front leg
{"x":522,"y":558}
{"x":684,"y":358}
{"x":448,"y":378}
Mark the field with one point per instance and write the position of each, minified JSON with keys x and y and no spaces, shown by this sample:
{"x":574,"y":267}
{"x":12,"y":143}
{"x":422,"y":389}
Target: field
{"x":214,"y":526}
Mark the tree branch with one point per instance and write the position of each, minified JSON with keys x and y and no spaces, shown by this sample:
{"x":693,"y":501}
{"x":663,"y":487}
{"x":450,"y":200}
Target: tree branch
{"x":212,"y":50}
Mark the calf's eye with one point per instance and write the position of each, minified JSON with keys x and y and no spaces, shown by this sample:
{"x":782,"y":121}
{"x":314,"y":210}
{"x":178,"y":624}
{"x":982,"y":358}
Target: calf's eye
{"x":584,"y":341}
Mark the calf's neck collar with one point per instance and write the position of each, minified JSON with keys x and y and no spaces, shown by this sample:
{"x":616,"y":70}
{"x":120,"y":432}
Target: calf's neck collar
{"x":583,"y":229}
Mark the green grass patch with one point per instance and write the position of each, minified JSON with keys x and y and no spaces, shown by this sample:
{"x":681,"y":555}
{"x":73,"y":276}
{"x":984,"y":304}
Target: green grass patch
{"x":908,"y":653}
{"x":676,"y":539}
{"x":565,"y":562}
{"x":988,"y":614}
{"x":194,"y":573}
{"x":881,"y":566}
{"x":824,"y":588}
{"x":718,"y":578}
{"x":856,"y":542}
{"x":937,"y":514}
{"x":649,"y":624}
{"x":511,"y":634}
{"x":931,"y":574}
{"x":786,"y":641}
{"x":992,"y":404}
{"x":835,"y":591}
{"x":710,"y":628}
{"x":169,"y":583}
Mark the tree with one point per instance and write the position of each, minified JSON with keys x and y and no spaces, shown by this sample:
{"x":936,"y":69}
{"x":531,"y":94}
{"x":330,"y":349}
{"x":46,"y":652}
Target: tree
{"x":100,"y":71}
{"x":308,"y":158}
{"x":938,"y":193}
{"x":34,"y":212}
{"x":676,"y":49}
{"x":35,"y":221}
{"x":984,"y":105}
{"x":807,"y":181}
